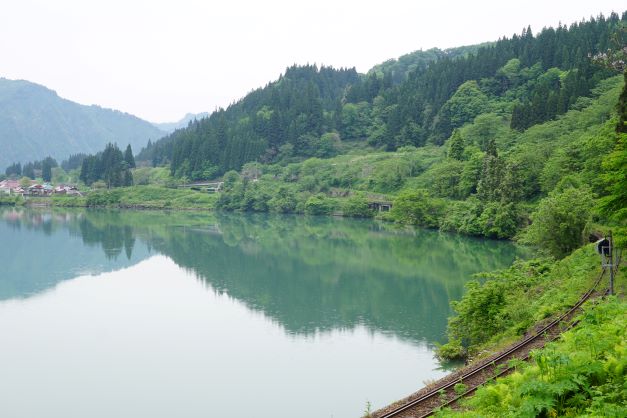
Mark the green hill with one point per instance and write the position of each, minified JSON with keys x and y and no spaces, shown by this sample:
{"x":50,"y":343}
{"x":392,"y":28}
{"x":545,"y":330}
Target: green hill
{"x":35,"y":123}
{"x":417,"y":100}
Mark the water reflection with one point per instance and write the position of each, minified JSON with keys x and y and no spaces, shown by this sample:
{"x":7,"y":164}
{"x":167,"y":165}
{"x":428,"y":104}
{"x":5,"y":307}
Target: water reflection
{"x":309,"y":274}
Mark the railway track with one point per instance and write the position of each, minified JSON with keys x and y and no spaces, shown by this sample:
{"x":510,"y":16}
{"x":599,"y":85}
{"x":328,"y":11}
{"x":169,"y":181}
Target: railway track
{"x":447,"y":394}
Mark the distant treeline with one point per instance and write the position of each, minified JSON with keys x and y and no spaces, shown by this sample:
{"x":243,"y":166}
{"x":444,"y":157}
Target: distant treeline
{"x":42,"y":168}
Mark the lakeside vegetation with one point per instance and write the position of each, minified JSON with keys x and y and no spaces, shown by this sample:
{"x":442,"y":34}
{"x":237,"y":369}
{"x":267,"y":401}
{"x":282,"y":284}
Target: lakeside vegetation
{"x":581,"y":374}
{"x":494,"y":193}
{"x":499,"y":307}
{"x":140,"y":197}
{"x":135,"y":197}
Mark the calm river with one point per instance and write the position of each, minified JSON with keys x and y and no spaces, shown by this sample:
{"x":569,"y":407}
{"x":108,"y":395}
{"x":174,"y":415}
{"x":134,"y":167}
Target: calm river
{"x":153,"y":314}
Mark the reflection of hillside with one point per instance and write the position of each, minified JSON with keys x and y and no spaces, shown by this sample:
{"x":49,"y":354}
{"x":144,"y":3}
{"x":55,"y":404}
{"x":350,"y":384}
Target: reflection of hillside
{"x":309,"y":274}
{"x":314,"y":274}
{"x":43,"y":248}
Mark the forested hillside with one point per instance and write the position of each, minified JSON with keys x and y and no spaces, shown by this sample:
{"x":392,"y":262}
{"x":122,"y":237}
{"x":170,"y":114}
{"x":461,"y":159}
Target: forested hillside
{"x":286,"y":117}
{"x":486,"y":180}
{"x":35,"y":123}
{"x":417,"y":100}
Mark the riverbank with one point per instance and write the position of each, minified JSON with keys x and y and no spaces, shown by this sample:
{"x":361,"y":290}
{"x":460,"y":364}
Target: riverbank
{"x":135,"y":197}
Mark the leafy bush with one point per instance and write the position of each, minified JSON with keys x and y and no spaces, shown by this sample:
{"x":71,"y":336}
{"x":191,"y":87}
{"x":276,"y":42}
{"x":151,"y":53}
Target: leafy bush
{"x":357,"y":206}
{"x":103,"y":198}
{"x":318,"y":205}
{"x":560,"y":222}
{"x":415,"y":207}
{"x":452,"y":350}
{"x":284,"y":201}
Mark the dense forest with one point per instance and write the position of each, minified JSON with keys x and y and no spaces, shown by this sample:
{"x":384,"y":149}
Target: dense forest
{"x":418,"y":100}
{"x":111,"y":166}
{"x":286,"y":117}
{"x":487,"y":178}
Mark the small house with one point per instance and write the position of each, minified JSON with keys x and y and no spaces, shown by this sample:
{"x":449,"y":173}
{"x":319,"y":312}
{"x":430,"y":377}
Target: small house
{"x":67,"y":190}
{"x":36,"y":190}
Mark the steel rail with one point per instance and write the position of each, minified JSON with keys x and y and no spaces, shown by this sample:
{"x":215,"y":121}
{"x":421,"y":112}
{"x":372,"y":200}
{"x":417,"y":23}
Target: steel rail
{"x":505,"y":371}
{"x":508,"y":353}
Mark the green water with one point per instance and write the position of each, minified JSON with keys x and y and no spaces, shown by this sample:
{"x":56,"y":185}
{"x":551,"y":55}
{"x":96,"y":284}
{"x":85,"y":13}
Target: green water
{"x":159,"y":310}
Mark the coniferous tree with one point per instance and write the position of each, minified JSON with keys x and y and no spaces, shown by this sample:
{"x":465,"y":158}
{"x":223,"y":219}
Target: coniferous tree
{"x":73,"y":162}
{"x":128,"y":178}
{"x":28,"y":170}
{"x":488,"y":188}
{"x":14,"y":170}
{"x":47,"y":164}
{"x":128,"y":156}
{"x":544,"y":73}
{"x":456,"y":150}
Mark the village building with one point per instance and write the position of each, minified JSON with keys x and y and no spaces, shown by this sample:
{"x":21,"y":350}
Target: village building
{"x":36,"y":190}
{"x":9,"y":186}
{"x":67,"y":190}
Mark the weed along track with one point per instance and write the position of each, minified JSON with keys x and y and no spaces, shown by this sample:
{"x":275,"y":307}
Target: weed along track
{"x":452,"y":388}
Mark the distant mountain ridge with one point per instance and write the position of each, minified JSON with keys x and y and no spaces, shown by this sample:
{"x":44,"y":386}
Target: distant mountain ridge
{"x":35,"y":122}
{"x":170,"y":127}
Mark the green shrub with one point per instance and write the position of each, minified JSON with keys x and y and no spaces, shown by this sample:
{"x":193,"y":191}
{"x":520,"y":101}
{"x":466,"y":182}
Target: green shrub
{"x":103,"y":198}
{"x":415,"y":207}
{"x":284,"y":201}
{"x":560,"y":222}
{"x":357,"y":206}
{"x":452,"y":350}
{"x":511,"y":300}
{"x":318,"y":205}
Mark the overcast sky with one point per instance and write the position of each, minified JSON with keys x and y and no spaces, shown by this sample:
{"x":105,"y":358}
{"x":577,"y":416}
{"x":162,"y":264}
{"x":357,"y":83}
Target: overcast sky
{"x":159,"y":60}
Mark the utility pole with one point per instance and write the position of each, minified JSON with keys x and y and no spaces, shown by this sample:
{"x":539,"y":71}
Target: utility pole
{"x":611,"y":264}
{"x":605,"y":248}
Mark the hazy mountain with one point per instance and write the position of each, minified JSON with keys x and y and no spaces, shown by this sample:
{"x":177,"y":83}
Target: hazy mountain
{"x":35,"y":122}
{"x":172,"y":126}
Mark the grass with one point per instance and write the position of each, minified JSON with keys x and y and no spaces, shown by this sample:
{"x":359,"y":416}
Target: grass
{"x":140,"y":197}
{"x":9,"y":200}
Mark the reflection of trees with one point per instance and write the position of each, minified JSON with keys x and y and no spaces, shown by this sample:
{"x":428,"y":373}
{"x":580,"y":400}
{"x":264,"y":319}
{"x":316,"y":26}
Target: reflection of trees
{"x":45,"y":247}
{"x":113,"y":237}
{"x":309,"y":274}
{"x":315,"y":274}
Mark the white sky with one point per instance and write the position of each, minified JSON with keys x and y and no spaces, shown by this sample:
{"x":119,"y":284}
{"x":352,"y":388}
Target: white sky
{"x":159,"y":60}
